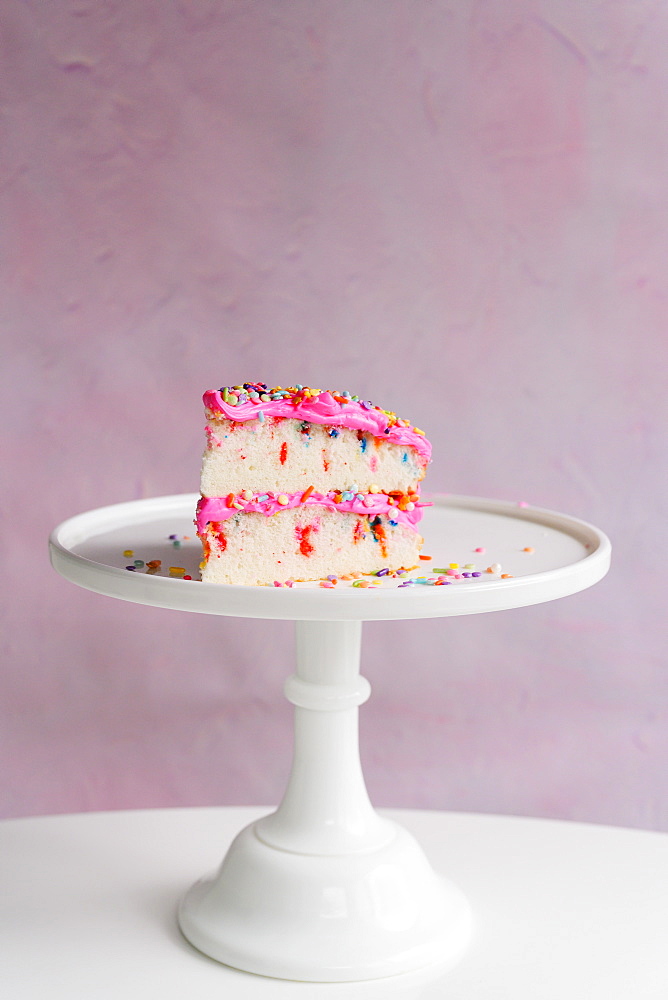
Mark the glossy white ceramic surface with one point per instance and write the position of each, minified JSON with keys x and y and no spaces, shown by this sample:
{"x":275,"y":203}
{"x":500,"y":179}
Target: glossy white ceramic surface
{"x":568,"y":555}
{"x":324,"y":889}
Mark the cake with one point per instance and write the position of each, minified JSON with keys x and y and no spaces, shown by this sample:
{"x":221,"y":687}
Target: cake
{"x":301,"y":484}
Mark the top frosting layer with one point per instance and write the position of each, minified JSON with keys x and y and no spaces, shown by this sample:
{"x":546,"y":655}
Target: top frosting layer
{"x":333,"y":408}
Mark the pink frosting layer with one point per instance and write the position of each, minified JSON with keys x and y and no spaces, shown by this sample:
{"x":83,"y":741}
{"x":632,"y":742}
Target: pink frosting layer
{"x":324,"y":409}
{"x":217,"y":509}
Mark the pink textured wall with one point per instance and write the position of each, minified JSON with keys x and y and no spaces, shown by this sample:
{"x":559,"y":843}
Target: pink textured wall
{"x":457,"y":209}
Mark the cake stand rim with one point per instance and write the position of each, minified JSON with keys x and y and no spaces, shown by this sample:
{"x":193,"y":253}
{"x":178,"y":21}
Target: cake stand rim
{"x":317,"y":604}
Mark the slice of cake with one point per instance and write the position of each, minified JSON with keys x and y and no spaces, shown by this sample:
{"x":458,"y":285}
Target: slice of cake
{"x":299,"y":484}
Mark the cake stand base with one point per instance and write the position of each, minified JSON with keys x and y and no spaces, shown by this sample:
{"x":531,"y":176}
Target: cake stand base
{"x":337,"y":918}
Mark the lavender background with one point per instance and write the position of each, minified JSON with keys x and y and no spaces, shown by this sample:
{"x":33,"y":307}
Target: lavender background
{"x":456,"y":209}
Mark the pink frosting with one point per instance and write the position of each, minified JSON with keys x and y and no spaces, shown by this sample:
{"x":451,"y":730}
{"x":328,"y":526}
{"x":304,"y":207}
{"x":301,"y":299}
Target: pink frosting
{"x":324,"y":409}
{"x":216,"y":508}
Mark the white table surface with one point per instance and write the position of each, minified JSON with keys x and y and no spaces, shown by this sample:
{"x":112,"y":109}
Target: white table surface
{"x":563,"y":910}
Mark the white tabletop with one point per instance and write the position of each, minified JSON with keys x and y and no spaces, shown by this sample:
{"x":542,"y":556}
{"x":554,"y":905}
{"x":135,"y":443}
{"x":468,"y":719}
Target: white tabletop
{"x":562,"y":910}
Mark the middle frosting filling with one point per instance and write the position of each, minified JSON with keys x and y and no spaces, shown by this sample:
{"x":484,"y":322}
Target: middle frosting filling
{"x":405,"y":509}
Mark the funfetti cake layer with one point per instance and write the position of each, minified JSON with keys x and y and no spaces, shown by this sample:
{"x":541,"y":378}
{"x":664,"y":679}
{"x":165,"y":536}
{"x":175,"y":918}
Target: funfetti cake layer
{"x":286,"y":439}
{"x":273,"y":540}
{"x":299,"y":484}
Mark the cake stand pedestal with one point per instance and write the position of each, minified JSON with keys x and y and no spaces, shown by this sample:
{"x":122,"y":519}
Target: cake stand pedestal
{"x":324,"y":889}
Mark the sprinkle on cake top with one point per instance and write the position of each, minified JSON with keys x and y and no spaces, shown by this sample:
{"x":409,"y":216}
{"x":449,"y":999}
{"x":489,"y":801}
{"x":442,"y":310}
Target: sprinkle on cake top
{"x":255,"y":400}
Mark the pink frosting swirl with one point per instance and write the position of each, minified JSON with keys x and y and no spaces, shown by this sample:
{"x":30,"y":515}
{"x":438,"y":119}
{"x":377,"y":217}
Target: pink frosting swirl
{"x":325,"y":409}
{"x":217,"y":508}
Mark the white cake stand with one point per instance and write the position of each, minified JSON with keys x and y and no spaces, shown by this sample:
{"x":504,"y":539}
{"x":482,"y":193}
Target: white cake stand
{"x":324,"y":889}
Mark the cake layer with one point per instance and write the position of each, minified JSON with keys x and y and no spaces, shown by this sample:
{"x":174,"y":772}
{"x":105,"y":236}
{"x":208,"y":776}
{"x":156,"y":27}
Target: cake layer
{"x":284,"y":455}
{"x":304,"y":543}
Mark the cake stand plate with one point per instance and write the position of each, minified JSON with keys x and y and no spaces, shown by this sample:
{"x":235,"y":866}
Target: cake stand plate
{"x":568,"y":555}
{"x":324,"y":889}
